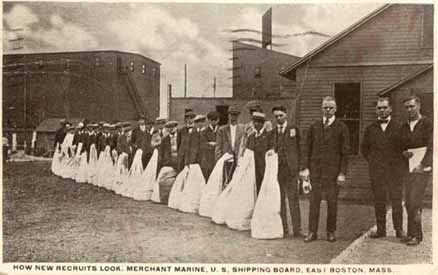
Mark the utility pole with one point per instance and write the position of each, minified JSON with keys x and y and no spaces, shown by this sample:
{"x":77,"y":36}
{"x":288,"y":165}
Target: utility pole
{"x":185,"y":80}
{"x":214,"y":87}
{"x":169,"y":97}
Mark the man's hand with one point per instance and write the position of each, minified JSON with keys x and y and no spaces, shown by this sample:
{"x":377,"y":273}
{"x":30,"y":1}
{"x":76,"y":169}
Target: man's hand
{"x":341,"y":179}
{"x":212,"y":143}
{"x":407,"y":154}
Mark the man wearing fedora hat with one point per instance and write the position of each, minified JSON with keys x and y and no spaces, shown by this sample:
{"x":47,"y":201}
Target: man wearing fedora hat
{"x":208,"y":143}
{"x":228,"y":140}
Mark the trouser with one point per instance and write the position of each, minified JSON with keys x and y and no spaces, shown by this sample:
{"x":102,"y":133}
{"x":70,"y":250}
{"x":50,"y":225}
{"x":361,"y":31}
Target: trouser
{"x":388,"y":185}
{"x":259,"y":172}
{"x":289,"y":191}
{"x":415,"y":189}
{"x":331,"y":191}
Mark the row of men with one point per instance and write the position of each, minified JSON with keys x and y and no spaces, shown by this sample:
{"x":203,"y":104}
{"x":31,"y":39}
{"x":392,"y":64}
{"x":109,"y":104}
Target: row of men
{"x":323,"y":159}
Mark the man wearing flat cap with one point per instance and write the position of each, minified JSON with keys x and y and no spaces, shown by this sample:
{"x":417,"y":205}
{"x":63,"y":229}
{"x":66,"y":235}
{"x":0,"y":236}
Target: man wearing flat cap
{"x":208,"y":143}
{"x":168,"y":150}
{"x":228,"y":140}
{"x":259,"y":142}
{"x":182,"y":139}
{"x":141,"y":139}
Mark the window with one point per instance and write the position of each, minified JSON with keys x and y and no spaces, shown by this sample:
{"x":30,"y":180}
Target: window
{"x":258,"y":72}
{"x":348,"y":110}
{"x":143,"y":69}
{"x":427,"y":33}
{"x":131,"y":66}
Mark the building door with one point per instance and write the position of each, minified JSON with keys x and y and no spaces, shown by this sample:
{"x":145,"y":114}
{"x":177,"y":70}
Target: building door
{"x":223,"y":114}
{"x":348,"y":110}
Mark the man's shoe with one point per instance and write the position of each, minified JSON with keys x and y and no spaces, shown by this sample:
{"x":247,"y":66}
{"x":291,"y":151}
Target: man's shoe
{"x":406,"y":239}
{"x":413,"y":241}
{"x":299,"y":234}
{"x":400,"y":234}
{"x":377,"y":234}
{"x":310,"y":237}
{"x":331,"y":237}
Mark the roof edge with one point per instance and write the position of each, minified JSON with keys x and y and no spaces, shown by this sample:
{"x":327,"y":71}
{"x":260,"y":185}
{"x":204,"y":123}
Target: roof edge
{"x":405,"y":80}
{"x":334,"y":39}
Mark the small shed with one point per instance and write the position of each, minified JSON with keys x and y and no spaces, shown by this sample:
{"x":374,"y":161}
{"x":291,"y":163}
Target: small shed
{"x":45,"y":137}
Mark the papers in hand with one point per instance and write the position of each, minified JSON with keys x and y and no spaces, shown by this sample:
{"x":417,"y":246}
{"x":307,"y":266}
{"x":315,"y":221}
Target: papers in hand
{"x":417,"y":157}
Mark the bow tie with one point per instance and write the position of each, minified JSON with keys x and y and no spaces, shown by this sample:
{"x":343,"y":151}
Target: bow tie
{"x":383,"y":121}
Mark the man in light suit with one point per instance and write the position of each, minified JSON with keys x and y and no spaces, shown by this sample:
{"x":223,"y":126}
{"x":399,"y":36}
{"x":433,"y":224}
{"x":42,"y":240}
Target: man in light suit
{"x":326,"y":163}
{"x":285,"y":141}
{"x":228,"y":140}
{"x":381,"y":147}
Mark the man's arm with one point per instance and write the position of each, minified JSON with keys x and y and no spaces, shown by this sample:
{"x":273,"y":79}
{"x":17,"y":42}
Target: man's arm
{"x":345,"y":149}
{"x":218,"y":147}
{"x":428,"y":133}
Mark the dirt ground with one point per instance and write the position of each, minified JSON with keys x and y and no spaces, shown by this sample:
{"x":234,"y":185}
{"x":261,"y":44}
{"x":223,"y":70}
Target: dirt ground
{"x":49,"y":219}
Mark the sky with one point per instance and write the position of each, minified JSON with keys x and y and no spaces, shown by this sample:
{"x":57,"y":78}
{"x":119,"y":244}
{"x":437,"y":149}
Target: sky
{"x":174,"y":34}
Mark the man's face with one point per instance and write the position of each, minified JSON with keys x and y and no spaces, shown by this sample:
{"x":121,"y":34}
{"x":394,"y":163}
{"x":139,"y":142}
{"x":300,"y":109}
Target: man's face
{"x":383,"y":109}
{"x":258,"y":125}
{"x":189,"y":120}
{"x":172,"y":130}
{"x":280,"y":116}
{"x":233,"y":117}
{"x":413,"y":109}
{"x":200,"y":124}
{"x":213,"y":122}
{"x":328,"y":108}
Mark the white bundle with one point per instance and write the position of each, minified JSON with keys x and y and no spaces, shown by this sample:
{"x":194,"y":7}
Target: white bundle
{"x":76,"y":162}
{"x":213,"y":189}
{"x":56,"y":160}
{"x":82,"y":174}
{"x":92,"y":164}
{"x":134,"y":175}
{"x":266,"y":220}
{"x":145,"y":186}
{"x":164,"y":182}
{"x":176,"y":191}
{"x":192,"y":190}
{"x":107,"y":169}
{"x":121,"y":173}
{"x":243,"y":194}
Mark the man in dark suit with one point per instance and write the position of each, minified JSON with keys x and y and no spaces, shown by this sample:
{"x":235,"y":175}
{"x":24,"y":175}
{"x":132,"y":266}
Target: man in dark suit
{"x":182,"y":139}
{"x":168,"y":149}
{"x":141,"y":139}
{"x":381,"y":147}
{"x":416,"y":133}
{"x":259,"y":142}
{"x":208,"y":142}
{"x":228,"y":140}
{"x":61,"y":132}
{"x":285,"y":141}
{"x":327,"y":149}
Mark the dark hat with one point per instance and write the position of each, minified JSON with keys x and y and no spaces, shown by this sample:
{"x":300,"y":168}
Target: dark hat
{"x":213,"y":115}
{"x":258,"y":116}
{"x":233,"y":110}
{"x":171,"y":124}
{"x":189,"y":114}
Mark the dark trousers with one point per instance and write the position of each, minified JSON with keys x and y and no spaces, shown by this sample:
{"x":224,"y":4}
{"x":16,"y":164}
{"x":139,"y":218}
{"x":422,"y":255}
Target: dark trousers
{"x":415,"y":189}
{"x":383,"y":187}
{"x":331,"y":191}
{"x":259,"y":173}
{"x":289,"y":190}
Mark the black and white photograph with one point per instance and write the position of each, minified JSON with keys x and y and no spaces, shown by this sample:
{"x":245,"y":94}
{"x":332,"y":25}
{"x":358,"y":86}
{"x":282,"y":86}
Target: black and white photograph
{"x":201,"y":137}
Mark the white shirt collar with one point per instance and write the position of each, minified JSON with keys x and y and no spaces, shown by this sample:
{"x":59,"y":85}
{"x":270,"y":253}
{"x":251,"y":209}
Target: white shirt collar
{"x":388,"y":118}
{"x":330,"y":120}
{"x":260,"y":133}
{"x":284,"y":125}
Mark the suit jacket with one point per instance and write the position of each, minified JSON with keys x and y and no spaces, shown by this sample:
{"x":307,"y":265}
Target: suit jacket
{"x":207,"y":156}
{"x":60,"y":135}
{"x":422,"y":136}
{"x":165,"y":154}
{"x":223,"y":141}
{"x":327,"y":151}
{"x":383,"y":150}
{"x":260,"y":145}
{"x":141,"y":140}
{"x":292,"y":146}
{"x":182,"y":144}
{"x":123,"y":145}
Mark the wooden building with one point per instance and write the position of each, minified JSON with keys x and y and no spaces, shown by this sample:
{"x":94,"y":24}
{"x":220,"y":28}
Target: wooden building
{"x":389,"y":52}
